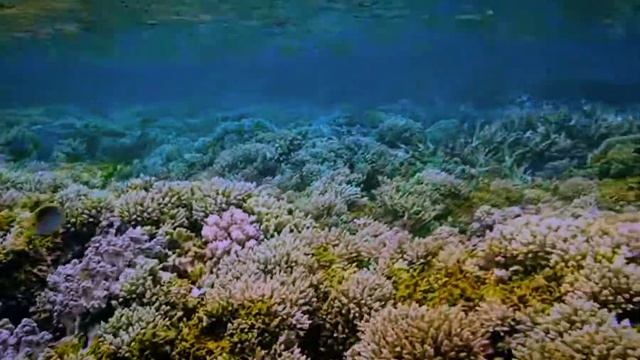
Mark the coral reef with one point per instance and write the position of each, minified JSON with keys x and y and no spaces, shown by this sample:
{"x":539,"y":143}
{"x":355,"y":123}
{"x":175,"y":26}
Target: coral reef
{"x":229,"y":232}
{"x":389,"y":234}
{"x":25,"y":341}
{"x":413,"y":332}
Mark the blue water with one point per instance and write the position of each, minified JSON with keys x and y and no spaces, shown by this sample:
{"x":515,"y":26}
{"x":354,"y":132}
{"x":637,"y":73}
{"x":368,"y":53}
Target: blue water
{"x":361,"y":63}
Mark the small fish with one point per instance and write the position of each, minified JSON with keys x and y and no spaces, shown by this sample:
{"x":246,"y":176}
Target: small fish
{"x":49,"y":219}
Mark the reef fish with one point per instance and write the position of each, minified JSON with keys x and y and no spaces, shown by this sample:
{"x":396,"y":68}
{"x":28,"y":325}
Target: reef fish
{"x":49,"y":219}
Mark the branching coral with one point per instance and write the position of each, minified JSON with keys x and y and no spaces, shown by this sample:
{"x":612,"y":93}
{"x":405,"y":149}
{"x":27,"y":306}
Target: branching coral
{"x":578,"y":329}
{"x":422,"y":202}
{"x":248,"y":318}
{"x":84,"y":208}
{"x":275,"y":213}
{"x":397,"y":131}
{"x":164,"y":204}
{"x":611,"y":283}
{"x":23,"y":342}
{"x":332,"y":196}
{"x":414,"y":332}
{"x":135,"y":333}
{"x":229,"y":232}
{"x":84,"y":287}
{"x":367,"y":238}
{"x":358,"y":297}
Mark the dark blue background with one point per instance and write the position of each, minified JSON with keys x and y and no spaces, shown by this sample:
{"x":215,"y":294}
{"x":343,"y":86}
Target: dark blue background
{"x":358,"y":66}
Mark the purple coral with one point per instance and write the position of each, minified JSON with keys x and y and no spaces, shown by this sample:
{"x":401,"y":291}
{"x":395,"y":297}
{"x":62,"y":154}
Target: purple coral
{"x":24,"y":342}
{"x":86,"y":285}
{"x":230,"y":232}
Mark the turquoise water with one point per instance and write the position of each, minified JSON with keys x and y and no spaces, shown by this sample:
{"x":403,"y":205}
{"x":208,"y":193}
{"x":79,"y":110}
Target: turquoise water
{"x":211,"y":179}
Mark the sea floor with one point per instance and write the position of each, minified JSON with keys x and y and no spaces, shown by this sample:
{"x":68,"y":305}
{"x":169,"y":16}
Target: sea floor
{"x":385,"y":233}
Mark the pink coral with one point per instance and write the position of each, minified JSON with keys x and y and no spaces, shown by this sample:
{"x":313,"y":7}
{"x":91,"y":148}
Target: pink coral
{"x":229,"y":232}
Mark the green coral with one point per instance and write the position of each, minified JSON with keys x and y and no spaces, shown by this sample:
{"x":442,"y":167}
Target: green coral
{"x":496,"y":193}
{"x":443,"y":131}
{"x":575,"y":187}
{"x":616,"y":193}
{"x":617,"y":157}
{"x":135,"y":333}
{"x":20,"y":143}
{"x":68,"y":348}
{"x":433,"y":284}
{"x":421,"y":203}
{"x":223,"y":330}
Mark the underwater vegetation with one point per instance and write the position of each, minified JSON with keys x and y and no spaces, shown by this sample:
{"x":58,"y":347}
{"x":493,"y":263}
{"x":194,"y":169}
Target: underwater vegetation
{"x":510,"y":233}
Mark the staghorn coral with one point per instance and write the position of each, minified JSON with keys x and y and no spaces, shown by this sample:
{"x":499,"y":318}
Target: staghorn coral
{"x":275,"y":213}
{"x":84,"y":208}
{"x":332,"y":196}
{"x":135,"y":333}
{"x":577,"y":329}
{"x":70,"y":150}
{"x":164,"y":204}
{"x":442,"y":131}
{"x":619,"y":193}
{"x":620,"y":161}
{"x":20,"y":143}
{"x":360,"y":295}
{"x":414,"y":332}
{"x":422,"y":202}
{"x":613,"y":284}
{"x":575,"y":187}
{"x":249,"y":162}
{"x":248,"y":317}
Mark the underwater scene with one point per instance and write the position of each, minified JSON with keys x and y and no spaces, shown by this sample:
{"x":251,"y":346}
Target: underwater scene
{"x":320,"y":179}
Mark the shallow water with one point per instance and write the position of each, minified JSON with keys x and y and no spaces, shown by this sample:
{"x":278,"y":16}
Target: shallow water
{"x":319,"y":179}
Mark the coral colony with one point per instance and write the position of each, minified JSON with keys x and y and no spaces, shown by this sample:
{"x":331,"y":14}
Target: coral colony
{"x":385,"y":234}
